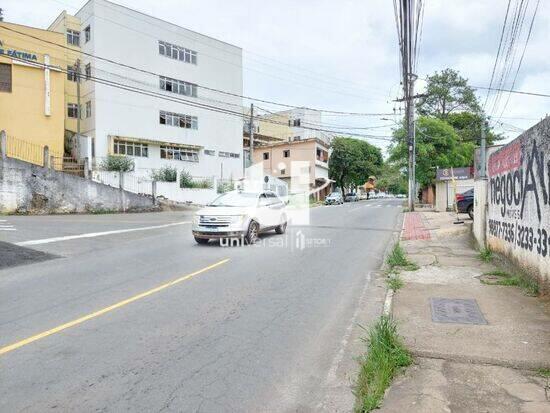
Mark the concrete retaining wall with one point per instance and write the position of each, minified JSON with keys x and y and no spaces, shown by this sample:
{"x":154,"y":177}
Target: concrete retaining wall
{"x":26,"y":188}
{"x":518,"y":214}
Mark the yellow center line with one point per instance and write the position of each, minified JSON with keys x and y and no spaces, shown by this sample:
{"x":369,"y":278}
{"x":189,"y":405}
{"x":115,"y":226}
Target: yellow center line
{"x":15,"y":346}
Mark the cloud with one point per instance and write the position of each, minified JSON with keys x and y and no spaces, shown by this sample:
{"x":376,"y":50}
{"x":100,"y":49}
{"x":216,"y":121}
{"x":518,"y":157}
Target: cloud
{"x":342,"y":55}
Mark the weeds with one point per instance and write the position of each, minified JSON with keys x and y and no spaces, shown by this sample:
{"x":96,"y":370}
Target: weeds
{"x":398,"y":258}
{"x":544,"y":373}
{"x":395,"y":282}
{"x":498,"y":273}
{"x":485,"y":255}
{"x":385,"y":356}
{"x":528,"y":285}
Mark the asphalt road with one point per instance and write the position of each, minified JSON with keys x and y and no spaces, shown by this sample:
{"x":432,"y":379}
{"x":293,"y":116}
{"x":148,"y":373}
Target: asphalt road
{"x":146,"y":320}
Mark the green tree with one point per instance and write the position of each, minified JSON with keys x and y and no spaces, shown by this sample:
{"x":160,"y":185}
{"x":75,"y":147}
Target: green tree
{"x":393,"y":179}
{"x":446,"y":93}
{"x":468,"y":127}
{"x":352,"y":161}
{"x":437,"y":146}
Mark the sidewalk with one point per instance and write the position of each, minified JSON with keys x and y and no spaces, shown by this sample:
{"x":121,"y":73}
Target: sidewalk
{"x":488,"y":361}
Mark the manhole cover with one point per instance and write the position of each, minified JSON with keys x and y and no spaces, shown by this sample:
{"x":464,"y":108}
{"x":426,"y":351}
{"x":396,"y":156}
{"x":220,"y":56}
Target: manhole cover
{"x":455,"y":310}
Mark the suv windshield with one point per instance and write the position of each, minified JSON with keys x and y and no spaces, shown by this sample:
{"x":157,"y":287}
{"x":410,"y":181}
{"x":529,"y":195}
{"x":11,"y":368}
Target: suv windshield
{"x":236,"y":199}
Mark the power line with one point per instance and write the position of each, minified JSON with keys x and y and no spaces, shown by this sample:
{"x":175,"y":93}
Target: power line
{"x":200,"y":86}
{"x":520,"y":92}
{"x":240,"y":115}
{"x":117,"y":8}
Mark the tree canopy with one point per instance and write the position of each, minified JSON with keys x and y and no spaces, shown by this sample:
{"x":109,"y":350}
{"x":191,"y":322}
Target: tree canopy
{"x":352,"y":161}
{"x":437,"y":146}
{"x":446,"y":93}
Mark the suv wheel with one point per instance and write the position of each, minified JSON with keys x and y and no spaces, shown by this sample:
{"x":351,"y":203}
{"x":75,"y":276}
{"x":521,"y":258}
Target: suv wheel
{"x":252,"y":234}
{"x":281,"y":228}
{"x":471,"y":211}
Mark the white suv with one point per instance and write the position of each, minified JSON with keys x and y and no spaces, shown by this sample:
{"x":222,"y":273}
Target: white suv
{"x":238,"y":214}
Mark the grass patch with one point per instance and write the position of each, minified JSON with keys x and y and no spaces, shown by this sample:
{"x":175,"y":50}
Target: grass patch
{"x":398,"y":258}
{"x":544,"y":373}
{"x":498,"y":273}
{"x":385,"y":357}
{"x":395,"y":282}
{"x":485,"y":255}
{"x":528,"y":285}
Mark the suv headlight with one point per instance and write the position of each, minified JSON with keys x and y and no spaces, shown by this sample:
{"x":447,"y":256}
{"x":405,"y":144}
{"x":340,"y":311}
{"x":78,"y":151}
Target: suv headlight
{"x":238,"y":219}
{"x":196,"y":219}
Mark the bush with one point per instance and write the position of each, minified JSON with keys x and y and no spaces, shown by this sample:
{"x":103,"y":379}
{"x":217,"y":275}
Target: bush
{"x":187,"y":181}
{"x":224,"y":187}
{"x":118,"y":163}
{"x":203,"y":184}
{"x":165,"y":174}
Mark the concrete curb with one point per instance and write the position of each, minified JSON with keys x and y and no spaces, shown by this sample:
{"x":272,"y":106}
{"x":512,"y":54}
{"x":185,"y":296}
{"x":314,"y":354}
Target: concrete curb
{"x":388,"y":301}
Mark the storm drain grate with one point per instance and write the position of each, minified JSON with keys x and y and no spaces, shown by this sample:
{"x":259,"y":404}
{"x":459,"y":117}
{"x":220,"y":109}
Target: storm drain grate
{"x":456,"y":310}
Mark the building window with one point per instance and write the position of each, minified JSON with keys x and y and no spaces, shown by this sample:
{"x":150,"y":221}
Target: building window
{"x":71,"y":74}
{"x":322,"y":155}
{"x":177,"y":52}
{"x":178,"y":154}
{"x":210,"y":152}
{"x":73,"y":37}
{"x":179,"y":120}
{"x":297,"y":138}
{"x":178,"y":86}
{"x":229,"y":155}
{"x":294,"y":122}
{"x":266,"y":156}
{"x":88,"y":71}
{"x":5,"y":77}
{"x":89,"y":109}
{"x":286,"y":153}
{"x":87,"y":34}
{"x":72,"y":110}
{"x":122,"y":147}
{"x":283,"y":171}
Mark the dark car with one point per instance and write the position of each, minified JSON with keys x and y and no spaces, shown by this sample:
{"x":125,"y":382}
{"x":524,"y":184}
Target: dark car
{"x":465,"y":203}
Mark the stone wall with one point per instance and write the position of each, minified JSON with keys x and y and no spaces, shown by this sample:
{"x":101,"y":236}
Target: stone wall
{"x":27,"y":188}
{"x":518,"y":215}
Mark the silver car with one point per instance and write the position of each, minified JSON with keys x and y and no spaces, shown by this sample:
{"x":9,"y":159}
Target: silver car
{"x":240,"y":215}
{"x":335,"y":198}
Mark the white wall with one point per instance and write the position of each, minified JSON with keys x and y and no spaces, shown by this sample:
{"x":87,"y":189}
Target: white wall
{"x":123,"y":35}
{"x":518,"y":216}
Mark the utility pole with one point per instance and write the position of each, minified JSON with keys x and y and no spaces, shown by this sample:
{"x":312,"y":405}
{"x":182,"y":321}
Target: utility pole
{"x":1,"y":15}
{"x":411,"y":140}
{"x":483,"y":152}
{"x":251,"y":132}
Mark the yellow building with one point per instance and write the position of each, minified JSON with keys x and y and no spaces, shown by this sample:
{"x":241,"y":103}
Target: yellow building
{"x":32,"y":96}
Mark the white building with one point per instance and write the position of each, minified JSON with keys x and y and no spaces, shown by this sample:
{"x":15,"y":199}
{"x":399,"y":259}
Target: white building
{"x":178,"y":68}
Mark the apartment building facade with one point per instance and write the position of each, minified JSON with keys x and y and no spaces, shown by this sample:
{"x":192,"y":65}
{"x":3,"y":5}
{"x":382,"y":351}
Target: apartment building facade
{"x":149,"y":90}
{"x":310,"y":155}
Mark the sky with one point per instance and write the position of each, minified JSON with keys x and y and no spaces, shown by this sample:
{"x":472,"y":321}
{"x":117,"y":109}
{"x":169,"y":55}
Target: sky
{"x":343,"y":55}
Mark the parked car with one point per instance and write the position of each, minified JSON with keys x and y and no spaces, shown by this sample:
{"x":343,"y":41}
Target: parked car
{"x":401,"y":196}
{"x":335,"y":198}
{"x":241,"y":215}
{"x":351,"y":197}
{"x":465,"y":203}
